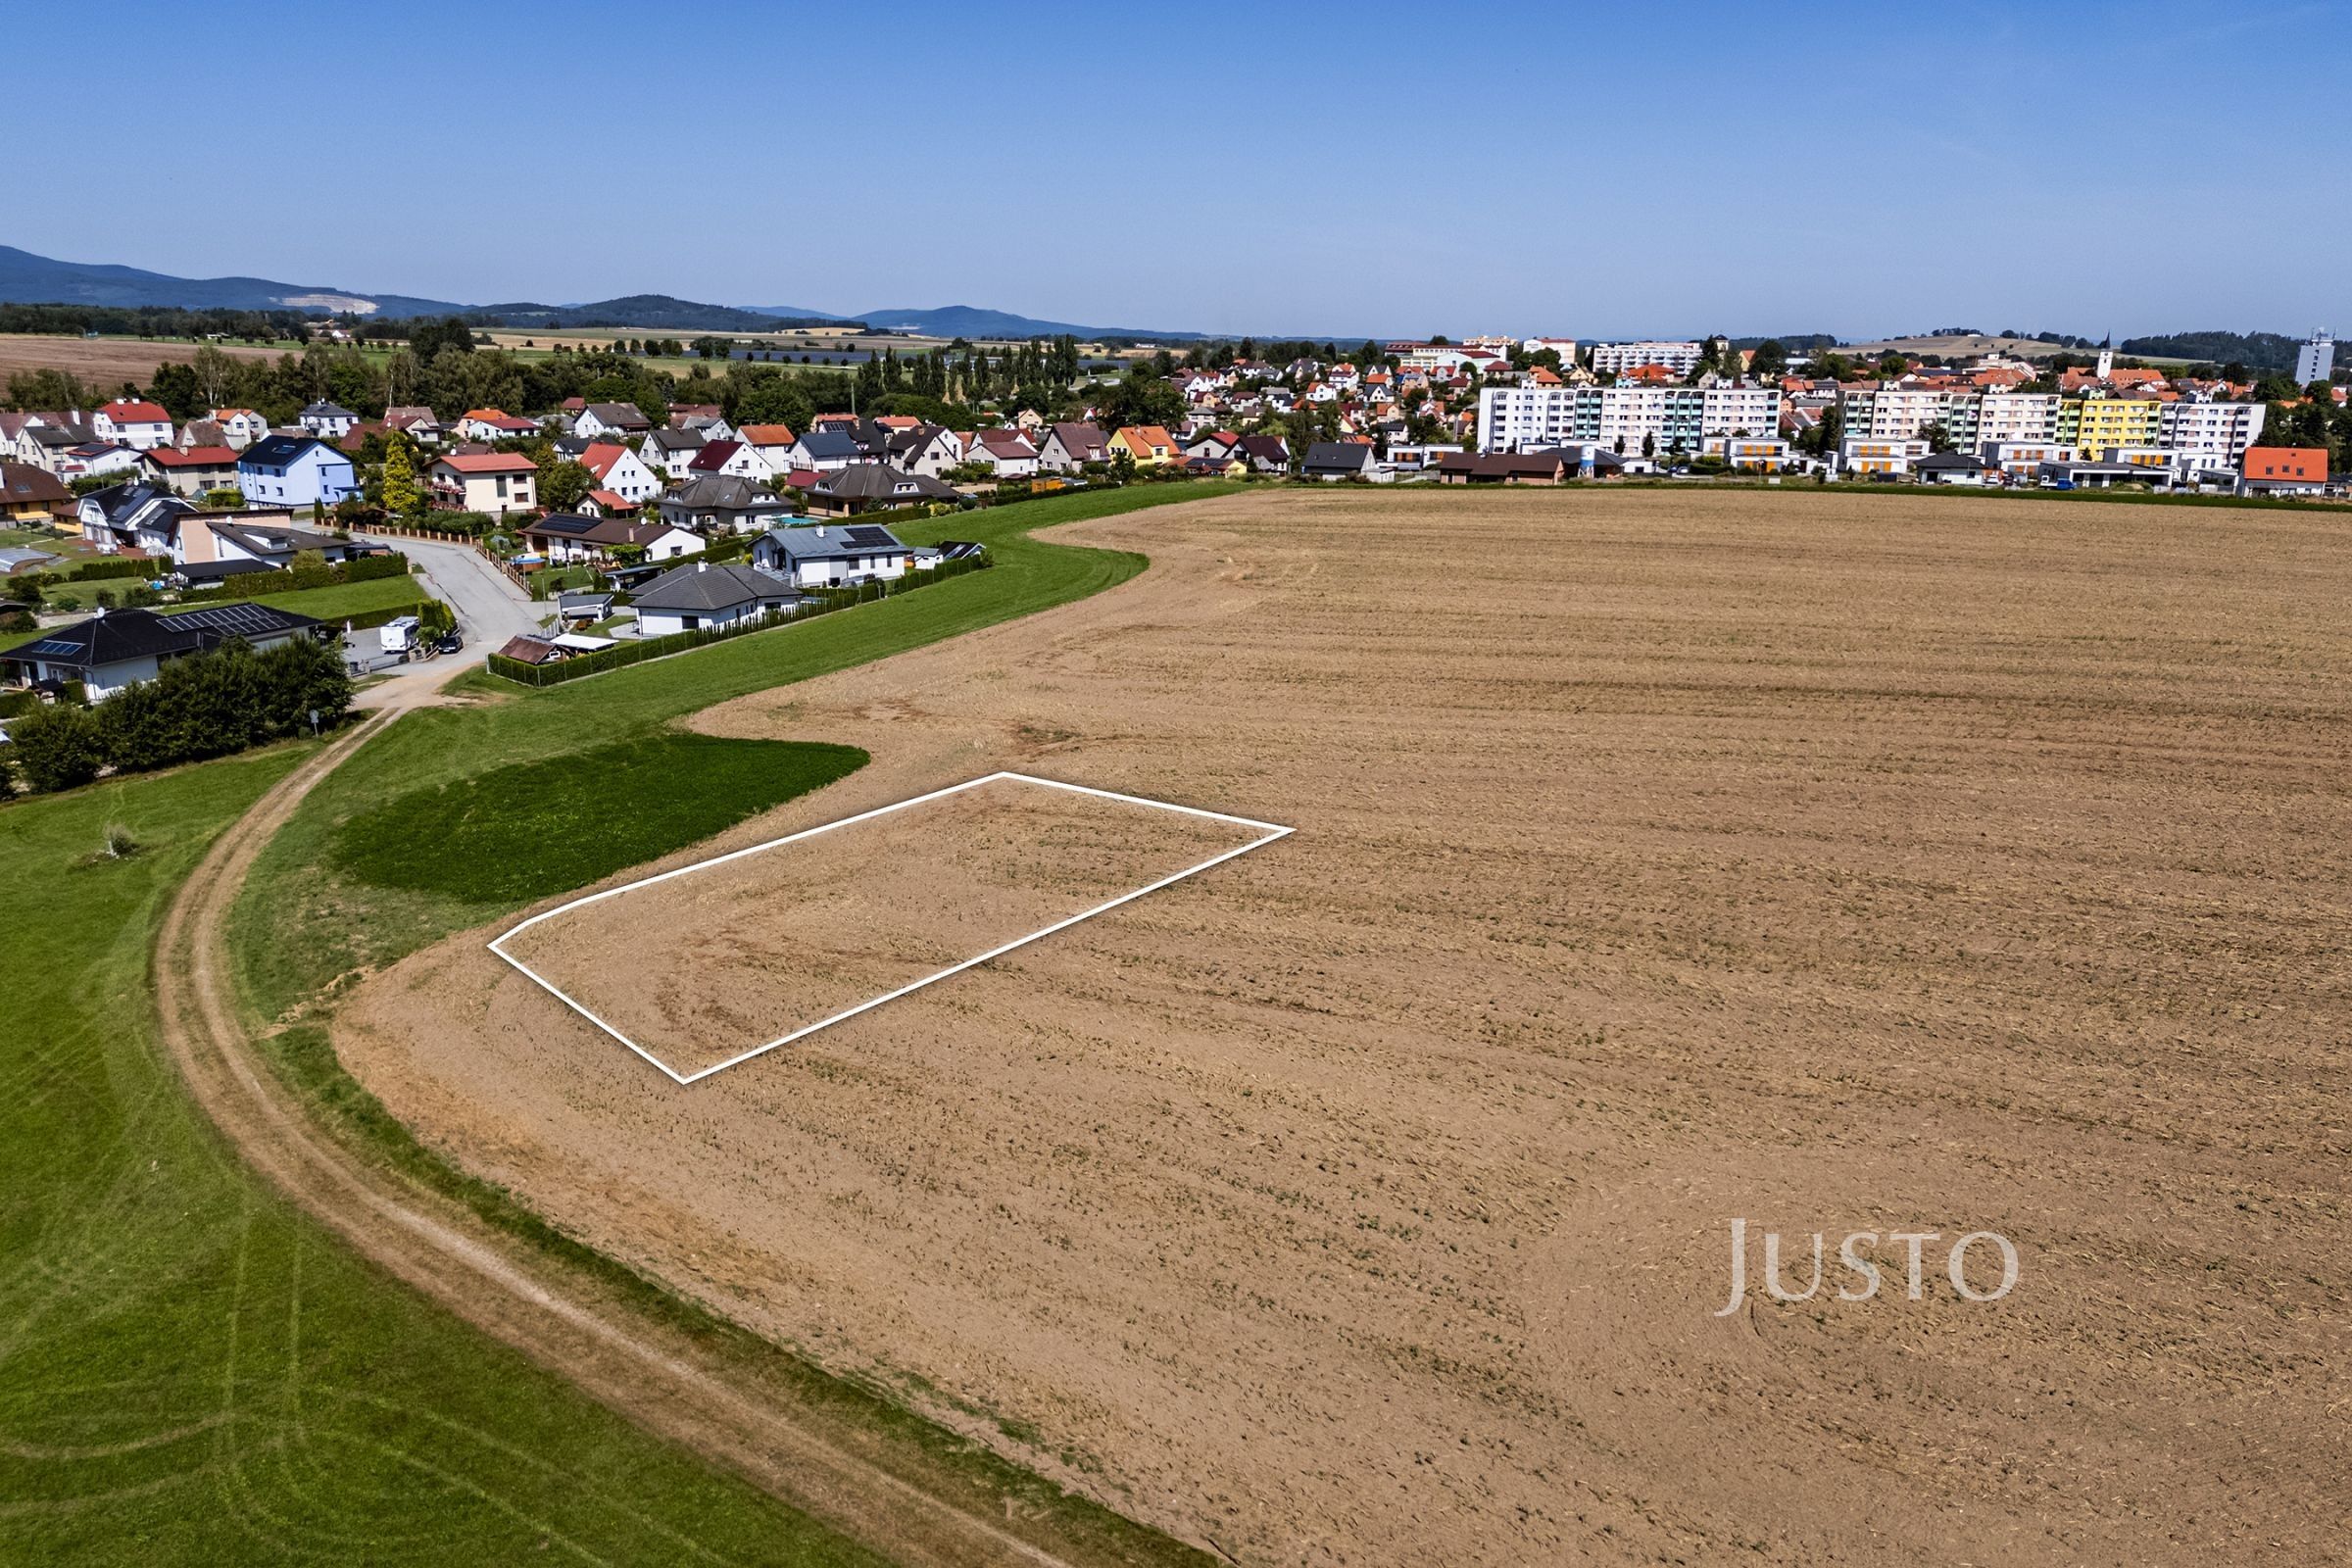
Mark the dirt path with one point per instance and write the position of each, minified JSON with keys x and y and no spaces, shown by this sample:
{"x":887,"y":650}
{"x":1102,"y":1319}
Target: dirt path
{"x":651,"y":1375}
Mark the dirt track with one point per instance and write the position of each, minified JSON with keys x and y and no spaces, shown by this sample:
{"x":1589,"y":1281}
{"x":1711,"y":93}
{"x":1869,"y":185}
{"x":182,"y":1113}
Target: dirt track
{"x":656,"y":1377}
{"x":1840,"y":864}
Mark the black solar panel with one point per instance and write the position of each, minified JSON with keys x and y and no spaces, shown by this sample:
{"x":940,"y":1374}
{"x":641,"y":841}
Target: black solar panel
{"x":872,"y":536}
{"x":48,"y":648}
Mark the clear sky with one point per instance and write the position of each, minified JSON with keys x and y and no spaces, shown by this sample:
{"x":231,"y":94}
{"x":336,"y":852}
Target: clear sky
{"x":1328,"y":170}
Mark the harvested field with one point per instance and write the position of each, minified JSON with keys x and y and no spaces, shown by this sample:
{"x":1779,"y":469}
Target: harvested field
{"x":1839,"y":862}
{"x":106,"y":361}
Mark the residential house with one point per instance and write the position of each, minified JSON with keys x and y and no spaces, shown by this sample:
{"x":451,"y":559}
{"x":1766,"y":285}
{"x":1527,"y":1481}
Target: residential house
{"x":1338,"y":460}
{"x":1502,"y":467}
{"x":416,"y":422}
{"x":33,"y":498}
{"x":493,"y":425}
{"x":621,"y":473}
{"x":93,"y":458}
{"x":1954,"y":468}
{"x":1211,"y":444}
{"x":1069,"y":447}
{"x":135,"y":518}
{"x":771,"y":444}
{"x":670,"y":453}
{"x":925,"y":449}
{"x":731,"y":458}
{"x":596,"y":420}
{"x":865,"y":486}
{"x":329,"y":422}
{"x":1147,"y":445}
{"x":191,"y":472}
{"x":492,"y":482}
{"x":566,"y":537}
{"x":830,"y":556}
{"x":703,"y":596}
{"x":1007,"y":453}
{"x":124,"y":647}
{"x":722,"y":504}
{"x":240,"y":427}
{"x":133,"y":422}
{"x":2285,"y":470}
{"x":827,"y":450}
{"x":211,"y":539}
{"x":1265,"y":454}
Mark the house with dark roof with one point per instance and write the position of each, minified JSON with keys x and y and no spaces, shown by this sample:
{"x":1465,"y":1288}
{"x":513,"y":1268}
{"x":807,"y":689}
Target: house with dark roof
{"x":131,"y":516}
{"x":605,"y":421}
{"x":701,"y":595}
{"x":923,"y":448}
{"x":120,"y":648}
{"x":723,"y":504}
{"x":329,"y":422}
{"x":33,"y":498}
{"x":1069,"y":447}
{"x":726,"y":457}
{"x":1502,"y":467}
{"x":416,"y":422}
{"x":669,"y":452}
{"x":1265,"y":454}
{"x":566,"y":537}
{"x":826,"y":450}
{"x":295,"y":470}
{"x":1007,"y":454}
{"x":1338,"y":460}
{"x":832,"y":554}
{"x":872,"y":486}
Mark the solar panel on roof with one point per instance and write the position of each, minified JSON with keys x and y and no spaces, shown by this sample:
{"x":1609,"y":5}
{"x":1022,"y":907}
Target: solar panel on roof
{"x":871,"y":536}
{"x":49,"y":648}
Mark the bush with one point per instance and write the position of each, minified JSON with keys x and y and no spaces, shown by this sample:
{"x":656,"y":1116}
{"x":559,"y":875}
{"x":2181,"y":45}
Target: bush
{"x":114,"y":567}
{"x":59,"y":747}
{"x":219,"y":702}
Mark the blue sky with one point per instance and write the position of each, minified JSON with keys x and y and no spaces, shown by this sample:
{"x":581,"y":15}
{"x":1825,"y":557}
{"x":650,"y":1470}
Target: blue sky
{"x":1374,"y":167}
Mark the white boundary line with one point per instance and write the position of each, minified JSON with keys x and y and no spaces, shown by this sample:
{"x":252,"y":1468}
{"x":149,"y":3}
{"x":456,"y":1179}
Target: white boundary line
{"x":1271,"y":831}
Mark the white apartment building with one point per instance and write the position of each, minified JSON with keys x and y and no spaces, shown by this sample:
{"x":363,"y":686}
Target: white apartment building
{"x":1615,"y":359}
{"x":2189,"y":425}
{"x":2315,"y":361}
{"x":2017,"y":416}
{"x":1622,"y":419}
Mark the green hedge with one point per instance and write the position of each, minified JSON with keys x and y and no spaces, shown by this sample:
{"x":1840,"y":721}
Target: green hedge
{"x":247,"y":586}
{"x":119,"y":566}
{"x":815,"y":601}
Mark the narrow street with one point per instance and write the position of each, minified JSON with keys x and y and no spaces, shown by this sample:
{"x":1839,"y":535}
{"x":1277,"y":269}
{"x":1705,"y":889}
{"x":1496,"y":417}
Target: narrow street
{"x":490,"y":608}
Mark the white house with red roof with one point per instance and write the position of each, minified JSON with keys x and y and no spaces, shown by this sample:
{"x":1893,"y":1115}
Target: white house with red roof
{"x":493,"y":425}
{"x":617,"y":469}
{"x":240,"y":427}
{"x":492,"y":482}
{"x":730,"y":457}
{"x":133,"y":422}
{"x":1007,"y":454}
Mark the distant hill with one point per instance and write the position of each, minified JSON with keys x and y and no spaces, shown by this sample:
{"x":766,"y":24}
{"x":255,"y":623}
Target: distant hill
{"x":2256,"y":351}
{"x":662,"y":311}
{"x":974,"y":321}
{"x":29,"y":279}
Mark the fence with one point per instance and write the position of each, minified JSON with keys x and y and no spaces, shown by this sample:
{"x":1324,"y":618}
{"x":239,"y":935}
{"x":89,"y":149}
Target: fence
{"x":816,"y":601}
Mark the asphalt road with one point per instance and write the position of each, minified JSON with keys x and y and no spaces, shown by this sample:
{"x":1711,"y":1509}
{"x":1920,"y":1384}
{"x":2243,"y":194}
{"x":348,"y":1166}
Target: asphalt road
{"x":490,"y":608}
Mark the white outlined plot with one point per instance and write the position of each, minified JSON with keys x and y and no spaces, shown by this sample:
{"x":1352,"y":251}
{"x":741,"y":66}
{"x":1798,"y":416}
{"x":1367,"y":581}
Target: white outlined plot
{"x":1267,"y":833}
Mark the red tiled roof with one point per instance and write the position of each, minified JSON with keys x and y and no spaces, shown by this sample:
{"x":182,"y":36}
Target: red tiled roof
{"x":767,"y":435}
{"x":132,"y":411}
{"x":489,"y":463}
{"x":194,"y":457}
{"x":600,"y":457}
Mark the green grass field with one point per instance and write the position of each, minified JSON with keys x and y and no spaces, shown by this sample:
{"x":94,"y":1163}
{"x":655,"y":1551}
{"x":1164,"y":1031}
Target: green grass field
{"x":192,"y":1372}
{"x":196,"y":1373}
{"x":522,"y":832}
{"x":342,"y":600}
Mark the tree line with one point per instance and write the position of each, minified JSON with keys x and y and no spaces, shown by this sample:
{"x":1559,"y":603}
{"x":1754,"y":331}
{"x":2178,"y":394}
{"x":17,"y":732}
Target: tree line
{"x":209,"y":705}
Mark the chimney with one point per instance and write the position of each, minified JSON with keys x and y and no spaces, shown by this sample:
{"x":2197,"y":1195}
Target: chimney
{"x":821,"y":531}
{"x":702,"y":565}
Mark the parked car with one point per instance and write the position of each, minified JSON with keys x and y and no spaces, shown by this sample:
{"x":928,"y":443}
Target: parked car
{"x":449,"y":642}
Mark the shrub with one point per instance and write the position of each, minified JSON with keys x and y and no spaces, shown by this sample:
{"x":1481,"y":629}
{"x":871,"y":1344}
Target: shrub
{"x":222,"y":702}
{"x":114,"y":567}
{"x":59,"y":747}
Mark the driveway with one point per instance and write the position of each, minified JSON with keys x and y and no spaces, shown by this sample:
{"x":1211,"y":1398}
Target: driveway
{"x":490,"y":608}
